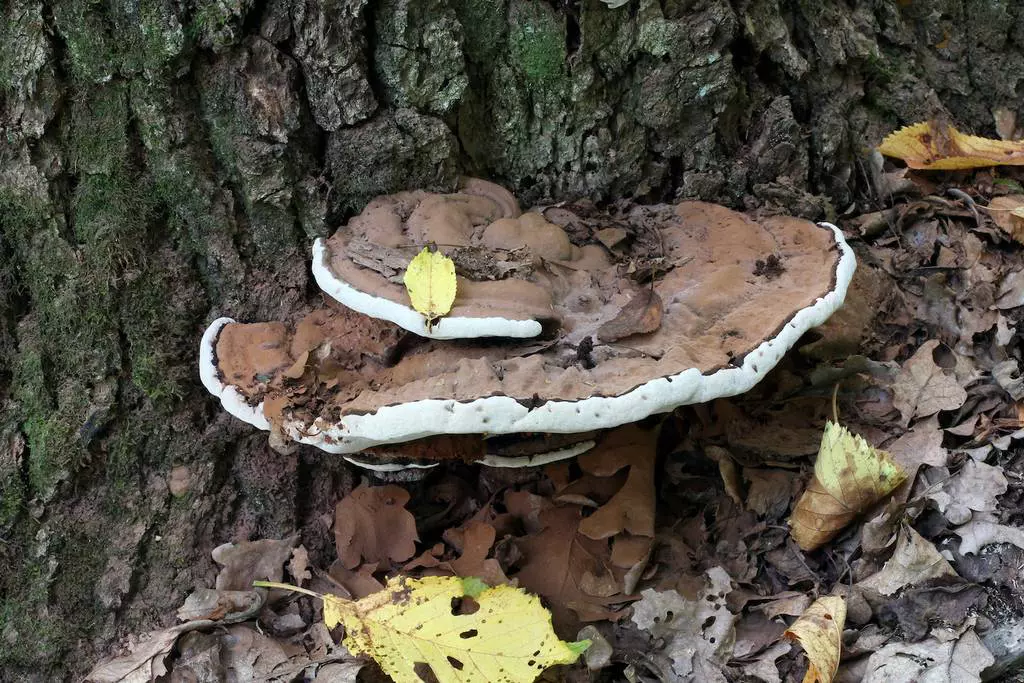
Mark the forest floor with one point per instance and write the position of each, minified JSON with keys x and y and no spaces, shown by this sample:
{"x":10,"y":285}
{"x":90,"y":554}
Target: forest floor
{"x":926,"y":357}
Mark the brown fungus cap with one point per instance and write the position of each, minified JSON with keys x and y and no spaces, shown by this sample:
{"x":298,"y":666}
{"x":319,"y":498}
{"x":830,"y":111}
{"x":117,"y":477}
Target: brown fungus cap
{"x":695,"y":302}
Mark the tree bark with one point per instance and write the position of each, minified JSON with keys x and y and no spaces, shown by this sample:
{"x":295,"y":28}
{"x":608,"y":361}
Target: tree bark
{"x":164,"y":162}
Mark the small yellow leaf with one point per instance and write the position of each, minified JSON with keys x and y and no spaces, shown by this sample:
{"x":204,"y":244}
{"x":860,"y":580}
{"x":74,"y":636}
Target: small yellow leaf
{"x":934,"y":145}
{"x":415,"y":631}
{"x":430,"y":281}
{"x":849,"y":477}
{"x":819,"y":630}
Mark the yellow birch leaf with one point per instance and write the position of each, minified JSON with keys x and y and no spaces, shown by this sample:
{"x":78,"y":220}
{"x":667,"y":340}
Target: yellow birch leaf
{"x":849,"y":477}
{"x":430,"y":281}
{"x":934,"y":145}
{"x":819,"y":630}
{"x":414,"y":631}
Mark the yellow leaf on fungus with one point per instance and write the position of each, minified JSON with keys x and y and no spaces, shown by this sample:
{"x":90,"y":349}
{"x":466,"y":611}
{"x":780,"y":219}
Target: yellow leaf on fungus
{"x":430,"y":281}
{"x":452,"y":630}
{"x":934,"y":145}
{"x":849,"y":477}
{"x":819,"y":630}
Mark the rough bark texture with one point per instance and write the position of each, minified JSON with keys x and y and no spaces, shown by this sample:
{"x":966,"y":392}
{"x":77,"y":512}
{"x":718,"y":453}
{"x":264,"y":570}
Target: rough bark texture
{"x":166,"y":161}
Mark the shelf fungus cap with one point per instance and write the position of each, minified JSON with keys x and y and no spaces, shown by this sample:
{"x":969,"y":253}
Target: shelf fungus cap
{"x":361,"y":265}
{"x":721,"y":299}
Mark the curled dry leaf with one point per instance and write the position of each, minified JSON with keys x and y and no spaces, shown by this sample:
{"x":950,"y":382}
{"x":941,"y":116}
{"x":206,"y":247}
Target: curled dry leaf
{"x":641,"y":315}
{"x":849,"y":477}
{"x":371,"y":524}
{"x":935,"y":145}
{"x":144,"y":663}
{"x":819,"y":630}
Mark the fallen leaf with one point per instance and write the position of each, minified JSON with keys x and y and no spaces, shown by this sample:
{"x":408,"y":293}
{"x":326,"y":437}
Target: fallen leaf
{"x":450,"y":630}
{"x":974,"y":488}
{"x":298,"y":566}
{"x":248,"y":561}
{"x":476,"y":542}
{"x":610,"y":237}
{"x":564,"y":567}
{"x":431,"y":283}
{"x":849,"y":477}
{"x":632,"y":507}
{"x":939,"y":603}
{"x":143,"y":664}
{"x":371,"y":524}
{"x":914,"y":561}
{"x":979,"y":533}
{"x":698,"y":634}
{"x":1008,"y":213}
{"x":819,"y":631}
{"x":207,"y":603}
{"x":934,"y":145}
{"x":641,"y":315}
{"x":923,"y":388}
{"x":930,"y":661}
{"x":769,"y":492}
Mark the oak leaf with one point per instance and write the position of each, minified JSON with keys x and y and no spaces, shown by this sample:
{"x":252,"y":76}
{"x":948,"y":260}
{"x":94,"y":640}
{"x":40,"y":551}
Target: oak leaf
{"x":371,"y":524}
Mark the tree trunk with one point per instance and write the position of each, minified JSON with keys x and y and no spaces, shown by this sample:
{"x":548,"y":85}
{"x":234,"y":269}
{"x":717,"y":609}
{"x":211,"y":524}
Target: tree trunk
{"x":164,"y":162}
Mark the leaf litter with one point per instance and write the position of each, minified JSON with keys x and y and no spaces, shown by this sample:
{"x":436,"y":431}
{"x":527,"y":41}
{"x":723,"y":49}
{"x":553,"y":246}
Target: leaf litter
{"x":669,"y":546}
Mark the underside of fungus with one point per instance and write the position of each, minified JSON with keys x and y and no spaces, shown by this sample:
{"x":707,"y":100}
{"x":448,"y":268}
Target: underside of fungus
{"x":566,"y":321}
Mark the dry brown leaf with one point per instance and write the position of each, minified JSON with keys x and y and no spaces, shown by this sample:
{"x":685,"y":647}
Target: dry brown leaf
{"x":849,"y":477}
{"x":632,"y":507}
{"x":371,"y":524}
{"x":930,"y":661}
{"x":1008,"y":213}
{"x":819,"y":630}
{"x":143,"y":664}
{"x":915,"y":560}
{"x":923,"y":388}
{"x":298,"y":566}
{"x":641,"y":315}
{"x":476,"y":541}
{"x":935,"y":145}
{"x":251,"y":561}
{"x":567,"y":568}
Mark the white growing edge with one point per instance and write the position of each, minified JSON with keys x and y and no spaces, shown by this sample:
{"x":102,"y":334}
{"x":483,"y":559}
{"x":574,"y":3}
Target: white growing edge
{"x":451,"y":327}
{"x":504,"y":415}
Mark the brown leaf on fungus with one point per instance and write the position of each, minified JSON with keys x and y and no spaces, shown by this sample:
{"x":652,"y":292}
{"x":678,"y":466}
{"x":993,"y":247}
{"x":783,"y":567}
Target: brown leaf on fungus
{"x":371,"y":524}
{"x":923,"y":388}
{"x":632,"y":508}
{"x":641,"y":315}
{"x":938,"y":146}
{"x":819,"y":630}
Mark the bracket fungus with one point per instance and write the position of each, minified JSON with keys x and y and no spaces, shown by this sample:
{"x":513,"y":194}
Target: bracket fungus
{"x":558,"y":331}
